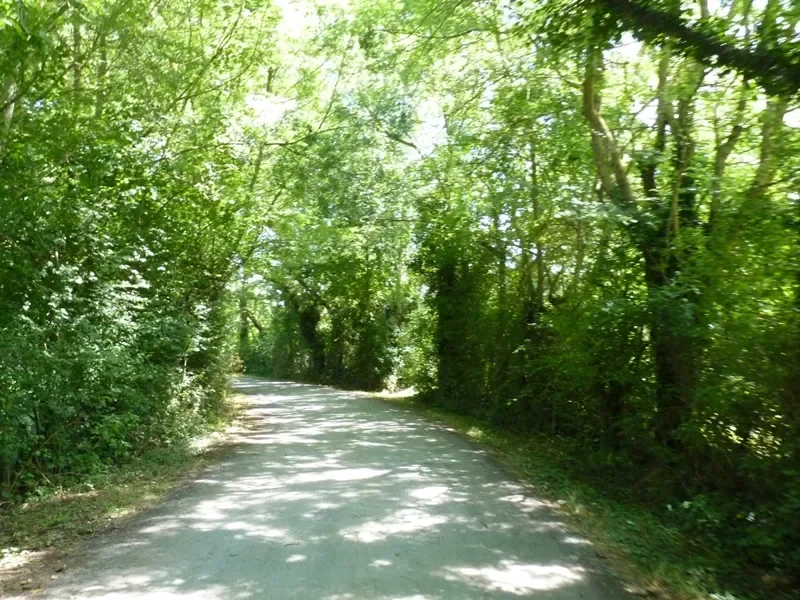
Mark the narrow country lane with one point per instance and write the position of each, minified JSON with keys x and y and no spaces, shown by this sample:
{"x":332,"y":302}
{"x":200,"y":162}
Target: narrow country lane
{"x":337,"y":496}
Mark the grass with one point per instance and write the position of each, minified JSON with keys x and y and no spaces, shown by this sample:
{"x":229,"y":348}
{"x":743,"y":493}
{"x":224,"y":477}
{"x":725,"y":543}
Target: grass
{"x":649,"y":554}
{"x":36,"y":535}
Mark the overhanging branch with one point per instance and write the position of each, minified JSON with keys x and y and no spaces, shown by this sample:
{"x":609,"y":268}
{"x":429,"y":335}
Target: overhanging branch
{"x":773,"y":68}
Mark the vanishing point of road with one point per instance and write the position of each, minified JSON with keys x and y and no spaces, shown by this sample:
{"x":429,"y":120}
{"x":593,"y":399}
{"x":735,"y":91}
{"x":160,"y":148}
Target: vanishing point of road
{"x":338,"y":496}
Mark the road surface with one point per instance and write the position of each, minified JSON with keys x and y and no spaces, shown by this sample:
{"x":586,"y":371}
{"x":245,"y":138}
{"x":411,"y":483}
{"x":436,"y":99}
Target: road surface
{"x":338,"y":496}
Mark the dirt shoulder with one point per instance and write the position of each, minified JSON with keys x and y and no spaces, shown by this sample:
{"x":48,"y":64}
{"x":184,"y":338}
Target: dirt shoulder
{"x":40,"y":539}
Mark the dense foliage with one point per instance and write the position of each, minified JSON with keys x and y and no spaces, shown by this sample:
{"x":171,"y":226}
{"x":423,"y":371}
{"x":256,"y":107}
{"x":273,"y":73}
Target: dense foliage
{"x":576,"y":222}
{"x":121,"y":215}
{"x":578,"y":219}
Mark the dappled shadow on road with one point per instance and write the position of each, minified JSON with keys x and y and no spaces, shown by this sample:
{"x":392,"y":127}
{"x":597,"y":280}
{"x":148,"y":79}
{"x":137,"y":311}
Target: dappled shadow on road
{"x":337,"y":496}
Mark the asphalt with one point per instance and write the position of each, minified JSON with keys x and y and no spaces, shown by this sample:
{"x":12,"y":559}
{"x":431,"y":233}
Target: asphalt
{"x":338,"y":496}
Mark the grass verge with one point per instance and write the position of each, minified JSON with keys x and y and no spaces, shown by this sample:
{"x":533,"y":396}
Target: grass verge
{"x":651,"y":556}
{"x":36,"y":537}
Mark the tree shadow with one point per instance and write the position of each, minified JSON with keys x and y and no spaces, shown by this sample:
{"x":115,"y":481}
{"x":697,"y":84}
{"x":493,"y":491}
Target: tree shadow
{"x":337,"y":496}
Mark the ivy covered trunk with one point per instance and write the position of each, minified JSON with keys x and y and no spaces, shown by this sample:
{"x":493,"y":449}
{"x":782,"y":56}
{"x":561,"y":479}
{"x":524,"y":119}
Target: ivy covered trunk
{"x":309,"y":324}
{"x":673,"y":348}
{"x":452,"y":350}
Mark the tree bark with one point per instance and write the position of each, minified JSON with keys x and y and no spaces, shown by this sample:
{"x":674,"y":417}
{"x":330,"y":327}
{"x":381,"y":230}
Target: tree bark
{"x":792,"y":390}
{"x":309,"y":325}
{"x":76,"y":51}
{"x":672,"y":344}
{"x":102,"y":71}
{"x":9,"y":103}
{"x":244,"y":329}
{"x":773,"y":67}
{"x":537,"y":217}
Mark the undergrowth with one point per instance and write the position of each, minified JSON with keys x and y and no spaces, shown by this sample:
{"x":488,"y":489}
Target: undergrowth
{"x":55,"y":518}
{"x":646,"y":546}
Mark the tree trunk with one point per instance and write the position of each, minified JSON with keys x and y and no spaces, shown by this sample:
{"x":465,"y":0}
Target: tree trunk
{"x":102,"y":71}
{"x":458,"y":368}
{"x":9,"y":104}
{"x":447,"y":326}
{"x":671,"y":318}
{"x":244,"y":327}
{"x":77,"y":84}
{"x":309,"y":324}
{"x":792,"y":393}
{"x":673,"y":348}
{"x":499,"y":357}
{"x":537,"y":217}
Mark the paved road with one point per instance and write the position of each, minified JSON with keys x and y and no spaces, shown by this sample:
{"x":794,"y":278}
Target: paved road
{"x":336,"y":496}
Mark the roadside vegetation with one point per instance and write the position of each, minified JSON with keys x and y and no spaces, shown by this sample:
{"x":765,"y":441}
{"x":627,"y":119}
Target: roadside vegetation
{"x":38,"y":535}
{"x":123,"y":210}
{"x":655,"y":553}
{"x":576,"y":221}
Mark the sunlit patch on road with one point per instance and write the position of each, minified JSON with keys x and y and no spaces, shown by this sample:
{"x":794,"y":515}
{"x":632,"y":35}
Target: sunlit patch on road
{"x":336,"y":496}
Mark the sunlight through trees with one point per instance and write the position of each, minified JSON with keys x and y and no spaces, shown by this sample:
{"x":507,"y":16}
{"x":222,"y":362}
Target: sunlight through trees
{"x":576,"y":219}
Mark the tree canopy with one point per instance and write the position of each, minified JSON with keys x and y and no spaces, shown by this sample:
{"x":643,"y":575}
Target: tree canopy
{"x":577,"y":218}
